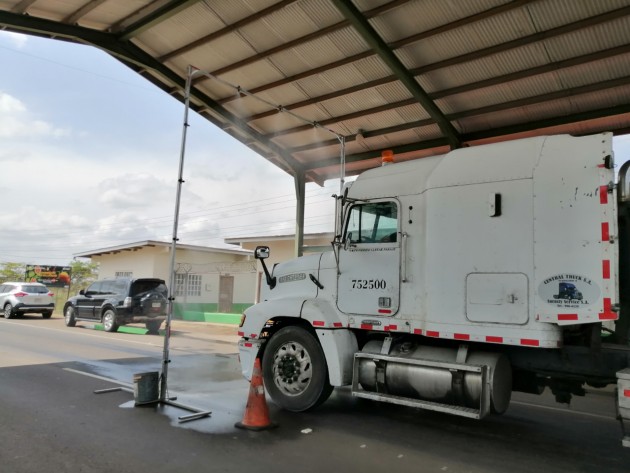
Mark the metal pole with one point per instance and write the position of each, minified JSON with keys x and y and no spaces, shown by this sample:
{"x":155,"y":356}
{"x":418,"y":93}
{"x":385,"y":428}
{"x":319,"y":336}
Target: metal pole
{"x":171,"y":284}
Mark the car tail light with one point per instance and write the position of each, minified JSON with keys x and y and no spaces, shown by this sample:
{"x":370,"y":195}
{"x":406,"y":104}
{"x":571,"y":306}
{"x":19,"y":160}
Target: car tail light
{"x":51,"y":294}
{"x":20,"y":294}
{"x":127,"y":302}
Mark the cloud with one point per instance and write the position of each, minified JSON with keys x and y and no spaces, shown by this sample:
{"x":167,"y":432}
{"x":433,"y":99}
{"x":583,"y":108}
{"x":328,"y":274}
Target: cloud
{"x":135,"y":191}
{"x":16,"y":121}
{"x":15,"y":39}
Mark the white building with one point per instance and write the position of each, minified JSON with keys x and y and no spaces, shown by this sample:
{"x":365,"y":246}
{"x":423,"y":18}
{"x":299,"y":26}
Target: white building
{"x":208,"y":281}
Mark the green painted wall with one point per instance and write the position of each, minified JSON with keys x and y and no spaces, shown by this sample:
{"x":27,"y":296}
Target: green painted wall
{"x":201,"y":312}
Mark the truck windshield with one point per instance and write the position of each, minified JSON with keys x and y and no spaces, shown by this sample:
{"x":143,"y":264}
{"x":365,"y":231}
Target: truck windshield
{"x":375,"y":222}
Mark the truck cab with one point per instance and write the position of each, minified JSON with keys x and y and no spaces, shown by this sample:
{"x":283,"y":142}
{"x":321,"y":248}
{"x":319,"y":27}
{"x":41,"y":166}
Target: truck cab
{"x":454,"y":281}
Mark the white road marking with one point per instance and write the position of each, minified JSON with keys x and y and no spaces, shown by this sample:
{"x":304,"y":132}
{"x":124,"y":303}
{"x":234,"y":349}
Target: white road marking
{"x":550,"y":408}
{"x":102,"y":378}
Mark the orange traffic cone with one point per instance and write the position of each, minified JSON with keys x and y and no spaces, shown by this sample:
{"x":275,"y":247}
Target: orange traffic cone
{"x":256,"y":416}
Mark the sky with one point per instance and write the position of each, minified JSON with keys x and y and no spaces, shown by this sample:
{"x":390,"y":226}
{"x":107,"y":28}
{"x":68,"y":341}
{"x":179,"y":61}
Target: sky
{"x":89,"y":159}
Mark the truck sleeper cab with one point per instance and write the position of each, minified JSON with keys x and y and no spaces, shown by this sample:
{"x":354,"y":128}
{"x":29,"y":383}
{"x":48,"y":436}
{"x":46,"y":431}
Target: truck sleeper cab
{"x":456,"y":280}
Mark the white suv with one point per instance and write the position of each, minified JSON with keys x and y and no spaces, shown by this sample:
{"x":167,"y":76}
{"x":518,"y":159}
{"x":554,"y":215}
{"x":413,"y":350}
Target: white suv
{"x":24,"y":298}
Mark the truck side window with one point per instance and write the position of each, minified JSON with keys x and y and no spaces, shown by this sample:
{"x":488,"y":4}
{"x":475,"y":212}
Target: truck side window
{"x":375,"y":222}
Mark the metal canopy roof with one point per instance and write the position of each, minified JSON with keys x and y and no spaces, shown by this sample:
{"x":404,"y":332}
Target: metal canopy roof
{"x":415,"y":76}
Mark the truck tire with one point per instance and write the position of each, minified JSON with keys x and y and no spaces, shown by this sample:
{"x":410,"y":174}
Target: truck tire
{"x":109,"y":321}
{"x":294,"y":370}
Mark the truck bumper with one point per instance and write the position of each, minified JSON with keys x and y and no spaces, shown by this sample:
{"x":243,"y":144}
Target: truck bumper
{"x":248,"y":352}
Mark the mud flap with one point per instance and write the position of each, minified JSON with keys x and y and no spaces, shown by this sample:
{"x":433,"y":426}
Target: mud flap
{"x":623,"y":404}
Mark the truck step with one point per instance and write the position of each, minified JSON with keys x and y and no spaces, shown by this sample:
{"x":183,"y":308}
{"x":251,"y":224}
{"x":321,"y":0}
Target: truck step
{"x":428,"y":405}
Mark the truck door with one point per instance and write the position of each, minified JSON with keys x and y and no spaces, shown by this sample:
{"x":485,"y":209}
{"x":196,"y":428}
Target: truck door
{"x":369,"y":261}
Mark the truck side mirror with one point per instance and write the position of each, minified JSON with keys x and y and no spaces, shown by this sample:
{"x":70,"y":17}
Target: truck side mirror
{"x":261,"y":253}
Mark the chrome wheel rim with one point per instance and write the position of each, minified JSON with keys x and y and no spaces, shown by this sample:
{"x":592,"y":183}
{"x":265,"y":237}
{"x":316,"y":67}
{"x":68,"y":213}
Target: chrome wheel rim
{"x":292,"y":369}
{"x":108,"y":320}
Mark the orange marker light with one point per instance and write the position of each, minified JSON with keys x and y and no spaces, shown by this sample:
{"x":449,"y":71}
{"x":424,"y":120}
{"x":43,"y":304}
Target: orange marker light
{"x":387,"y":157}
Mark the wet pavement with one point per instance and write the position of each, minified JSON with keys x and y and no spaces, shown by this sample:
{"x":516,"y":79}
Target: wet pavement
{"x":52,"y":420}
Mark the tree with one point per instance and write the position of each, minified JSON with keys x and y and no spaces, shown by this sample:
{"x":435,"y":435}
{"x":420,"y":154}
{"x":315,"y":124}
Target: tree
{"x":12,"y":272}
{"x":83,"y":274}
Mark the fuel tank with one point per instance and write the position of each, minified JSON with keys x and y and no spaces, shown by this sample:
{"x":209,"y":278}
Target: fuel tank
{"x":436,"y":384}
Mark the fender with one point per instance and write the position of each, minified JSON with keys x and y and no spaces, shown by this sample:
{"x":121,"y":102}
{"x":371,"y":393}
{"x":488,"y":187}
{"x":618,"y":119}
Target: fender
{"x":257,"y":315}
{"x":338,"y":343}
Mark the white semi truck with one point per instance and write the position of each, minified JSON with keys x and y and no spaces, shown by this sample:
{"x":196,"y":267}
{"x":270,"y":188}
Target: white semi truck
{"x":457,"y":279}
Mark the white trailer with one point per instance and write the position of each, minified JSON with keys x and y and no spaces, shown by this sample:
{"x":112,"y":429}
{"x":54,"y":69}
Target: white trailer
{"x":456,"y":280}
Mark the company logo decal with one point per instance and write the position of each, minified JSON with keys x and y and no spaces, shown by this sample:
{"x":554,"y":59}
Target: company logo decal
{"x":569,"y":291}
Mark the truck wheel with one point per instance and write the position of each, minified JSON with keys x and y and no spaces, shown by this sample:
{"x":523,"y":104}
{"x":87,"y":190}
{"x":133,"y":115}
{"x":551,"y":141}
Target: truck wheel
{"x":109,"y":321}
{"x":295,"y":371}
{"x":68,"y":317}
{"x":8,"y":311}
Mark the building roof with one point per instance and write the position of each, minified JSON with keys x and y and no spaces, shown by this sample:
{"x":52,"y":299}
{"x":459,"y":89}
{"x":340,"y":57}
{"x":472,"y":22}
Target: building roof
{"x":152,"y":243}
{"x":291,"y":79}
{"x":285,"y":237}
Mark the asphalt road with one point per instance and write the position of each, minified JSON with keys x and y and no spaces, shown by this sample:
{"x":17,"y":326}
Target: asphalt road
{"x":51,"y":419}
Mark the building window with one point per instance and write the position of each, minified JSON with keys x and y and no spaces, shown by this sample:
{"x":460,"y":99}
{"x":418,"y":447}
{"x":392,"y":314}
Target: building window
{"x":187,"y":284}
{"x":124,"y":274}
{"x":194,"y":284}
{"x":180,"y":284}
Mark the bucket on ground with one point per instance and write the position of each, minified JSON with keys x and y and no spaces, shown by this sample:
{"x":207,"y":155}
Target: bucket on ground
{"x":146,"y":387}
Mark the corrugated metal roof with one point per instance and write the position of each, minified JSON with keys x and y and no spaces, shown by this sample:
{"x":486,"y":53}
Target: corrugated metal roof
{"x":416,"y":76}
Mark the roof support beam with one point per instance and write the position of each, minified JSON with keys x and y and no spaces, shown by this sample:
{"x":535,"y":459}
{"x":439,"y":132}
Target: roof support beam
{"x":505,"y":78}
{"x":347,"y":8}
{"x":227,"y":30}
{"x":156,"y":17}
{"x":514,"y":4}
{"x":300,"y":197}
{"x":502,"y":132}
{"x":81,"y":12}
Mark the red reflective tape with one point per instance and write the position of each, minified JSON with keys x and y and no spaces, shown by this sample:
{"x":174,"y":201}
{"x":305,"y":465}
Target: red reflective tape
{"x":337,"y":324}
{"x":607,"y":316}
{"x":530,"y":342}
{"x":432,"y":334}
{"x":366,"y":326}
{"x":253,"y":335}
{"x":240,"y":334}
{"x":603,"y":194}
{"x":461,"y":336}
{"x":318,"y":323}
{"x":606,"y":269}
{"x":384,"y":311}
{"x":607,"y":304}
{"x":248,"y":345}
{"x":567,"y":316}
{"x":605,"y":232}
{"x":417,"y":331}
{"x":492,"y":339}
{"x":601,"y":165}
{"x":391,"y":327}
{"x":626,"y":392}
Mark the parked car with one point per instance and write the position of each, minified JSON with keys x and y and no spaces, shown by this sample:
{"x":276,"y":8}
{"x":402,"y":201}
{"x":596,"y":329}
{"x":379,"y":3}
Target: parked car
{"x":120,"y":301}
{"x":26,"y":298}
